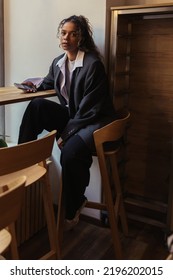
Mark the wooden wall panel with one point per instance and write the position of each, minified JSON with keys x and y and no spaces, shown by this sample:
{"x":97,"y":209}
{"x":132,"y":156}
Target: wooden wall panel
{"x":144,"y":84}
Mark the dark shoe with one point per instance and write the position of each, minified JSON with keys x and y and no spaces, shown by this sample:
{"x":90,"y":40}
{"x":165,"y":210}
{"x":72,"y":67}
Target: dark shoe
{"x":70,"y":224}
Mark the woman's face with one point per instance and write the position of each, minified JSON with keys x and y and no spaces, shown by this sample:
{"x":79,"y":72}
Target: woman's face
{"x":69,"y":37}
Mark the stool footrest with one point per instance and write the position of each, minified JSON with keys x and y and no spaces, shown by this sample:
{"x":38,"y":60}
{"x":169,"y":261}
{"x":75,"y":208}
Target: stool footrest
{"x":96,"y":205}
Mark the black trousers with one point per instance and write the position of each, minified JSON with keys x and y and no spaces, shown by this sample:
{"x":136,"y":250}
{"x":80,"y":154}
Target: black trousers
{"x":76,"y":157}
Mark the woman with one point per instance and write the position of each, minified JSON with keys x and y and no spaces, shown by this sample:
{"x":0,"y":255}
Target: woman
{"x":79,"y":78}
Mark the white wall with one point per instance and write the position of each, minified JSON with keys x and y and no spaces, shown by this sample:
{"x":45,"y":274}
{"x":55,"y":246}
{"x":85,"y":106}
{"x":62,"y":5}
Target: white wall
{"x":30,"y":32}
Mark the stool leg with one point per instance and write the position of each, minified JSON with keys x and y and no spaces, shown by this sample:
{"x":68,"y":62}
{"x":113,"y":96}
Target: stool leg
{"x":13,"y":245}
{"x":113,"y":224}
{"x":60,"y":217}
{"x":50,"y":219}
{"x":119,"y":204}
{"x":110,"y":208}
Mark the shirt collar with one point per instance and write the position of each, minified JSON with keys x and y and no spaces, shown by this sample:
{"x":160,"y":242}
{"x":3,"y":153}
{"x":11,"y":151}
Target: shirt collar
{"x":78,"y":61}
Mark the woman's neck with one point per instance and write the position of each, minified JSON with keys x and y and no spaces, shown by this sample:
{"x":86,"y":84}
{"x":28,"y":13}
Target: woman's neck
{"x":72,"y":55}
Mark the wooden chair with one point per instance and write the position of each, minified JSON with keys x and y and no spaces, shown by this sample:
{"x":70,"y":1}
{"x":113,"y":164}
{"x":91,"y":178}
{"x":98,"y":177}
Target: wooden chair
{"x":107,"y":142}
{"x":11,"y":198}
{"x":29,"y":159}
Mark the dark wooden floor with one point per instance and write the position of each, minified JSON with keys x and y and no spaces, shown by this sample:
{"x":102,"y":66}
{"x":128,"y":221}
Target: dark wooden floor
{"x":90,"y":242}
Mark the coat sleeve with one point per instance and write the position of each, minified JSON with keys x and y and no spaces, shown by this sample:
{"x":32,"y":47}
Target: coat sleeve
{"x":48,"y":82}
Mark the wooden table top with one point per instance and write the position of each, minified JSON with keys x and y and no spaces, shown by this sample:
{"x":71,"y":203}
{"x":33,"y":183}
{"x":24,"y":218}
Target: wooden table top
{"x":9,"y":95}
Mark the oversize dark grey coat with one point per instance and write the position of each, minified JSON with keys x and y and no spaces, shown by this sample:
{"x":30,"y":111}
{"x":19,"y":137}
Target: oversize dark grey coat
{"x":90,"y":106}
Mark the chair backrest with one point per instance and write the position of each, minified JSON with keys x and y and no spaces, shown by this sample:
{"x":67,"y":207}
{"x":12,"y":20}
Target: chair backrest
{"x":109,"y":134}
{"x":11,"y":197}
{"x":27,"y":154}
{"x":112,"y":131}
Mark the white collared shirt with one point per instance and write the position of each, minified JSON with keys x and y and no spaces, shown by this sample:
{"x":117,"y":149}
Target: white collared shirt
{"x":66,"y":73}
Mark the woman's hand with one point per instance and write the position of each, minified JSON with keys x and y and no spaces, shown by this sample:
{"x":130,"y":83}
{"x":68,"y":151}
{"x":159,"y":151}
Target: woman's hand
{"x":60,"y":143}
{"x":31,"y":86}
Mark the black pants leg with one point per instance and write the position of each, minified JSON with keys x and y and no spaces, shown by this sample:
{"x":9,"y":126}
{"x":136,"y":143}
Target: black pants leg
{"x":76,"y":159}
{"x":42,"y":114}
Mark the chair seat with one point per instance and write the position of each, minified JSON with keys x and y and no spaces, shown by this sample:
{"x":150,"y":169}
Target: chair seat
{"x":33,"y":173}
{"x":5,"y":239}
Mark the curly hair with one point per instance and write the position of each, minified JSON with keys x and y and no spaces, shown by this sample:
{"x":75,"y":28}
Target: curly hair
{"x":84,"y":29}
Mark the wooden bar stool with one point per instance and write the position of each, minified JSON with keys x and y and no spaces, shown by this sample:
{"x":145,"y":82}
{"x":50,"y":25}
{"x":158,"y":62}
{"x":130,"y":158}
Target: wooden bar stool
{"x":29,"y":159}
{"x":108,"y":143}
{"x":11,"y":198}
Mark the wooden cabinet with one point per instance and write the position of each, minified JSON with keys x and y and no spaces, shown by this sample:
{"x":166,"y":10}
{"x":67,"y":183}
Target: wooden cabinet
{"x":141,"y":79}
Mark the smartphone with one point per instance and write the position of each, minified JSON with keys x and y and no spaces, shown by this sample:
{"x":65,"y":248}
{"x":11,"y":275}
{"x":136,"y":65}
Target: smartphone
{"x":23,"y":86}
